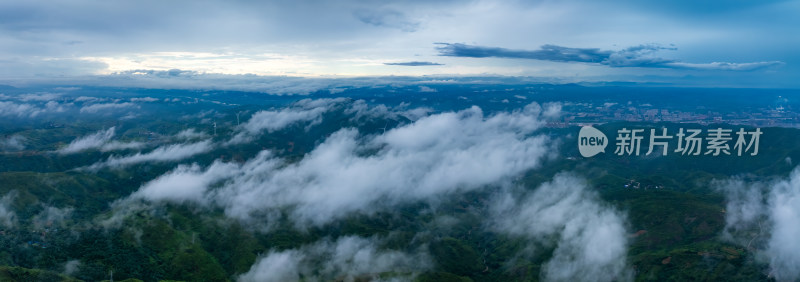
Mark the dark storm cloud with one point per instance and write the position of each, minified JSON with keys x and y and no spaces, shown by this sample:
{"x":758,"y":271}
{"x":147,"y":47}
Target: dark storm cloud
{"x":413,"y":64}
{"x":636,"y":56}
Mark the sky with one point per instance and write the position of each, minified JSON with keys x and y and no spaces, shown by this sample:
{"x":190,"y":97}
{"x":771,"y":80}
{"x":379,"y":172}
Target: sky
{"x":714,"y":44}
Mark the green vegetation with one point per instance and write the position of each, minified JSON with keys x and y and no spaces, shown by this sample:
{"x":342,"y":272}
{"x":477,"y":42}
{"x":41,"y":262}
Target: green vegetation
{"x":675,"y":216}
{"x":10,"y":273}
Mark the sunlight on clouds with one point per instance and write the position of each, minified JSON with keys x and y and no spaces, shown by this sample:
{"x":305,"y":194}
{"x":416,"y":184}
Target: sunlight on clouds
{"x":294,"y":65}
{"x":205,"y":62}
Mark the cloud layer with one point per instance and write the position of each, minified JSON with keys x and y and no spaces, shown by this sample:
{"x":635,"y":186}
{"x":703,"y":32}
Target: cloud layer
{"x":14,"y":142}
{"x":95,"y":108}
{"x":100,"y":140}
{"x":28,"y":110}
{"x":43,"y":41}
{"x":590,"y":237}
{"x":637,"y":56}
{"x":92,"y":141}
{"x":166,"y":153}
{"x":347,"y":259}
{"x":765,"y":216}
{"x":436,"y":155}
{"x":427,"y":160}
{"x":8,"y":218}
{"x":304,"y":111}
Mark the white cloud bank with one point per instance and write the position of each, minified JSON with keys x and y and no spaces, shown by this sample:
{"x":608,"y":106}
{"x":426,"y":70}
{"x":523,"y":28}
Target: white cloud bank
{"x":352,"y":173}
{"x":14,"y":142}
{"x":345,"y":259}
{"x":95,"y":108}
{"x":92,"y":141}
{"x":100,"y":140}
{"x":52,"y":217}
{"x":71,"y":267}
{"x":190,"y":134}
{"x":433,"y":157}
{"x":25,"y":110}
{"x":8,"y":217}
{"x":166,"y":153}
{"x":303,"y":111}
{"x":590,"y":237}
{"x":185,"y":184}
{"x":765,"y":216}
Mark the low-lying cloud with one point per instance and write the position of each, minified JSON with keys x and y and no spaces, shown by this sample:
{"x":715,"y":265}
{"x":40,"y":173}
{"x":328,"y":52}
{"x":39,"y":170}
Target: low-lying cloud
{"x":95,"y":108}
{"x":14,"y":142}
{"x":186,"y":183}
{"x":72,"y":266}
{"x":353,"y":173}
{"x":345,"y":259}
{"x":306,"y":110}
{"x":436,"y":155}
{"x":765,"y":216}
{"x":92,"y":141}
{"x":117,"y":146}
{"x":30,"y":110}
{"x":167,"y":153}
{"x":190,"y":134}
{"x":590,"y":237}
{"x":52,"y":217}
{"x":100,"y":140}
{"x":8,"y":217}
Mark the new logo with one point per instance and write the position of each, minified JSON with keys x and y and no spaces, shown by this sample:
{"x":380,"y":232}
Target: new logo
{"x":591,"y":141}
